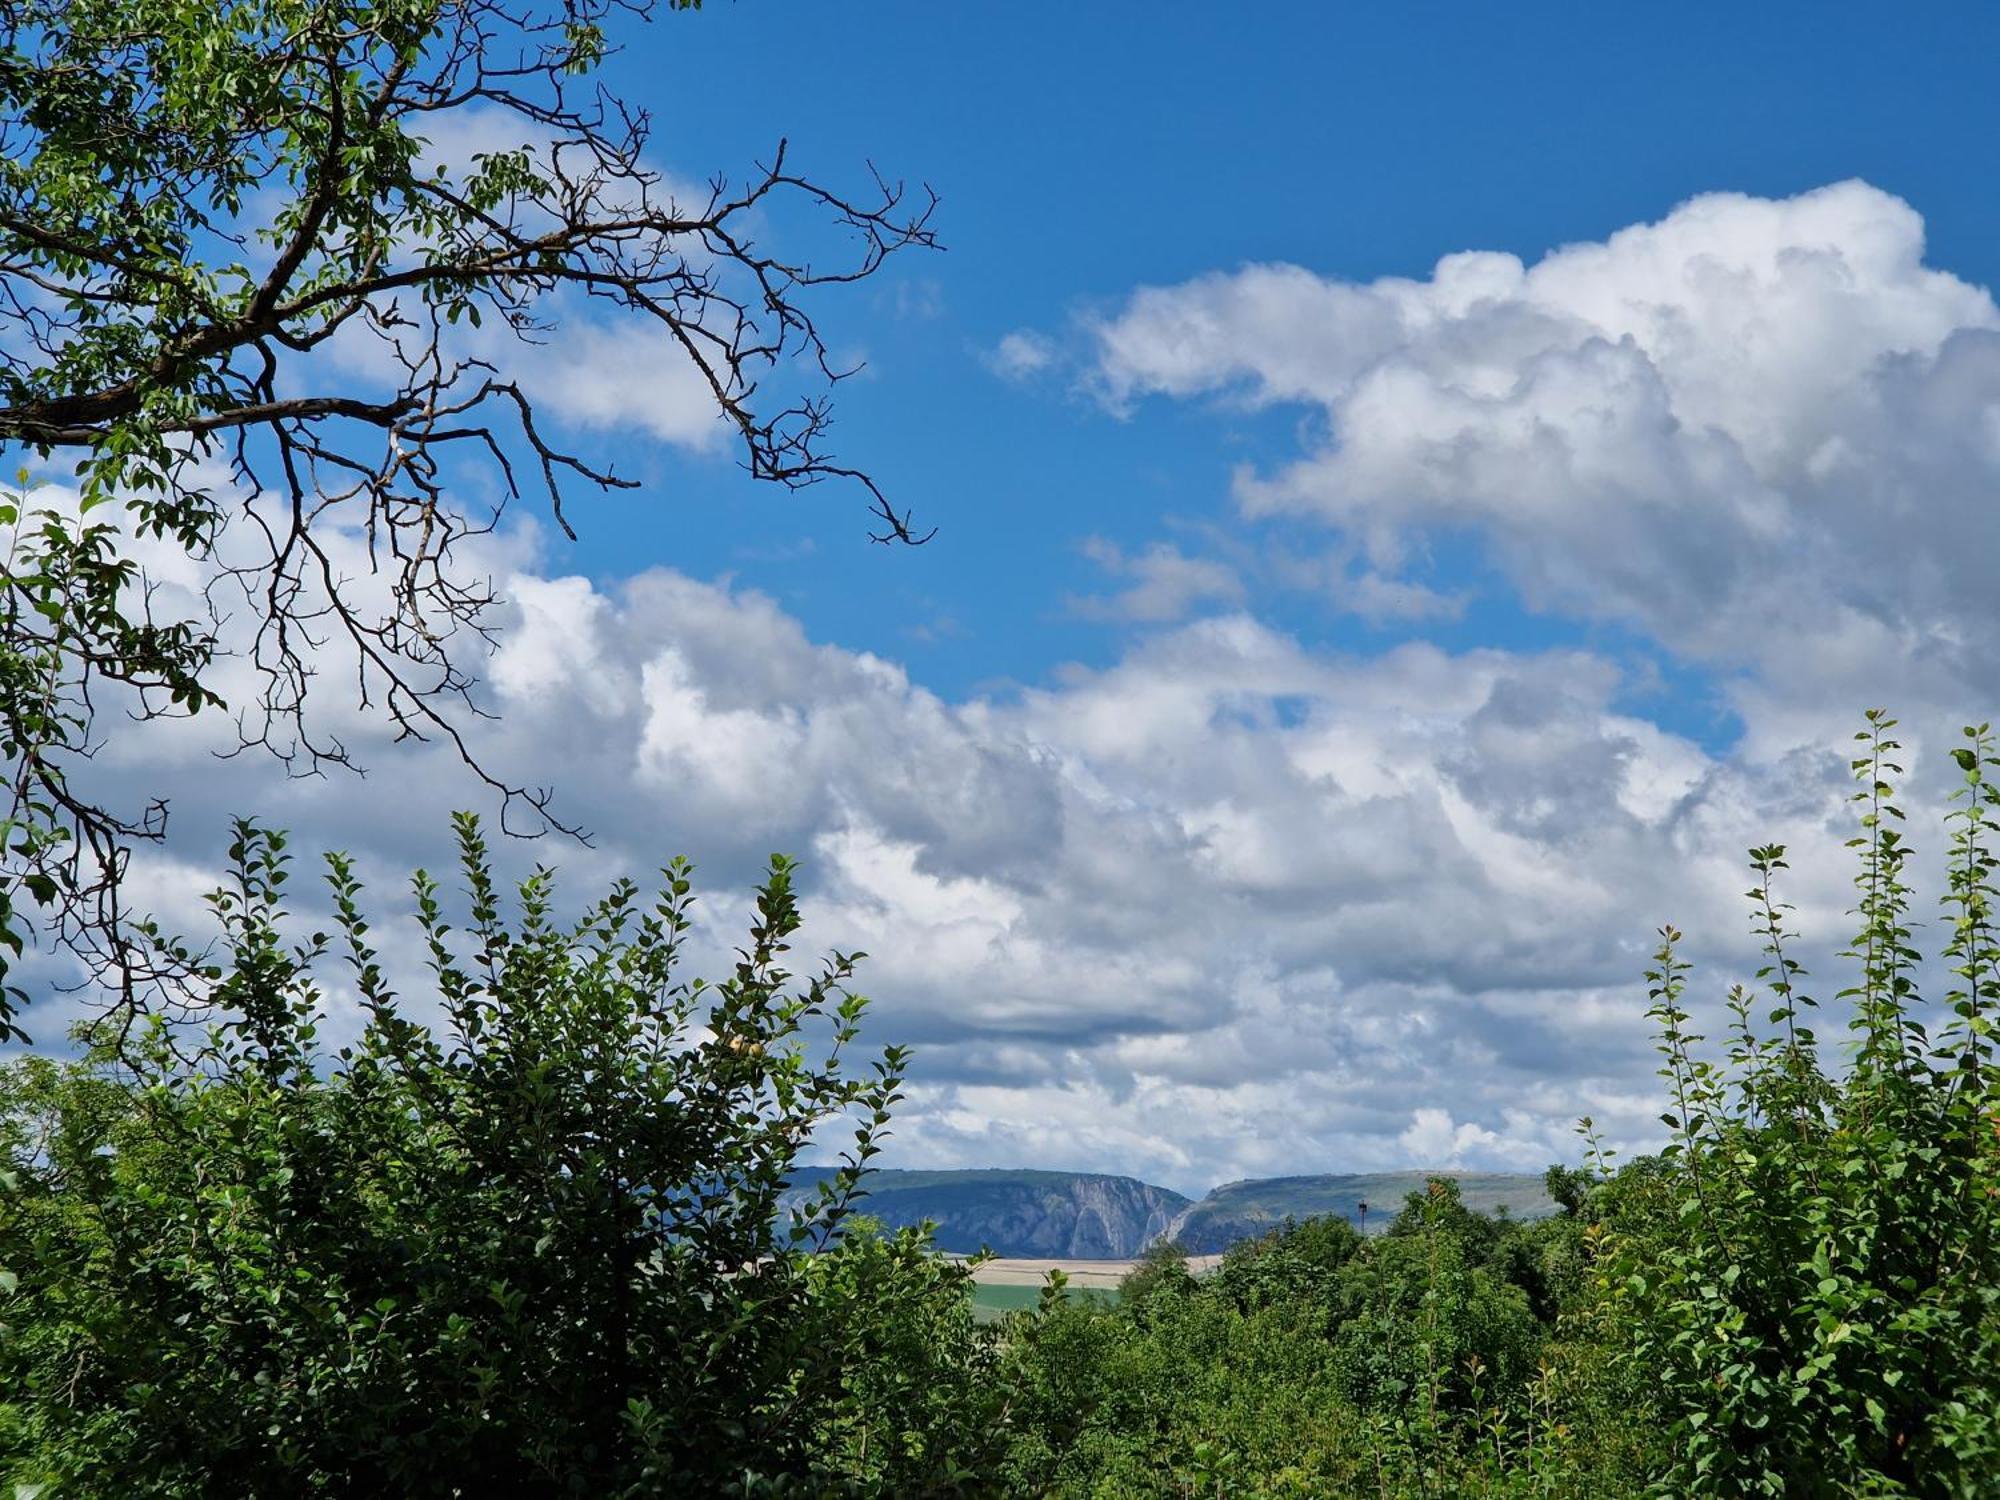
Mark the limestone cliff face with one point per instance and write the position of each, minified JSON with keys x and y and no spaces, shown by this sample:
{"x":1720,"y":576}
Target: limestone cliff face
{"x":1091,"y":1216}
{"x":1079,"y":1215}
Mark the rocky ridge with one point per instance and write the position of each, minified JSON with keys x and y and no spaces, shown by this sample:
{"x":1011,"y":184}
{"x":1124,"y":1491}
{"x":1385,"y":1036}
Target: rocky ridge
{"x":1082,"y":1215}
{"x":1097,"y":1216}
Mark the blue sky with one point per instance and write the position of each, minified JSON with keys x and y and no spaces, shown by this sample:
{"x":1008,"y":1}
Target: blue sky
{"x":1420,"y":491}
{"x":1085,"y":150}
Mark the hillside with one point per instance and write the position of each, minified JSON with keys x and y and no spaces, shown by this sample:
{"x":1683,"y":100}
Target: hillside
{"x":1085,"y":1215}
{"x":1092,"y":1216}
{"x":1242,"y":1210}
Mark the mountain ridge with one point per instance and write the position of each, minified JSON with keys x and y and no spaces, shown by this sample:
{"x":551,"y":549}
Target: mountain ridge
{"x":1020,"y":1212}
{"x":1029,"y":1212}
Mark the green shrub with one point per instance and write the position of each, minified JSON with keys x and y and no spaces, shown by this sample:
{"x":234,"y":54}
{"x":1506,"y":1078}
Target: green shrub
{"x":1310,"y":1363}
{"x":1162,"y":1272}
{"x":1419,"y":1317}
{"x":1812,"y":1284}
{"x":535,"y":1246}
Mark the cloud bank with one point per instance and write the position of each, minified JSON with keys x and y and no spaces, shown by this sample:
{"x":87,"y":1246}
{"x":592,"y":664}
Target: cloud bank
{"x":1764,"y":433}
{"x":1230,"y":906}
{"x":1235,"y":904}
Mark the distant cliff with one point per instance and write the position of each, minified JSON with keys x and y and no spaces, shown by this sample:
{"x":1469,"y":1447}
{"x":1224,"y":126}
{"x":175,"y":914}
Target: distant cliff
{"x":1079,"y":1215}
{"x":1088,"y":1216}
{"x":1244,"y":1210}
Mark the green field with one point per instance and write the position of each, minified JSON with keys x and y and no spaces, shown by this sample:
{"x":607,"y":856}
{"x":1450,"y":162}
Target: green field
{"x":992,"y":1303}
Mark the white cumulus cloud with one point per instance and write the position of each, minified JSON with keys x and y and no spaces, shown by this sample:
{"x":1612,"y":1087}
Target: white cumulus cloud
{"x":1021,"y":355}
{"x":1231,"y":905}
{"x":1764,"y":432}
{"x":1162,"y":583}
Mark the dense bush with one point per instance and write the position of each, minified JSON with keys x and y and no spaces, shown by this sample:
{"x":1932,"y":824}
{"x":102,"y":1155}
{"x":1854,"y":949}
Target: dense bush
{"x":535,"y":1246}
{"x":1424,"y":1314}
{"x":1800,"y":1296}
{"x":1313,"y":1362}
{"x":1819,"y":1295}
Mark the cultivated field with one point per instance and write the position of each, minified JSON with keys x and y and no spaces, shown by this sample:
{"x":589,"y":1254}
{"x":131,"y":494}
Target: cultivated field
{"x":1004,"y":1286}
{"x":1084,"y":1275}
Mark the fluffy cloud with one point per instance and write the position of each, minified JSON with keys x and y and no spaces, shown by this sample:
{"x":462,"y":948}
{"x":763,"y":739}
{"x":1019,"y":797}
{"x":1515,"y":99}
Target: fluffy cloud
{"x":1764,"y":433}
{"x":1233,"y":904}
{"x":1020,"y":355}
{"x":1228,"y":906}
{"x":1162,"y":583}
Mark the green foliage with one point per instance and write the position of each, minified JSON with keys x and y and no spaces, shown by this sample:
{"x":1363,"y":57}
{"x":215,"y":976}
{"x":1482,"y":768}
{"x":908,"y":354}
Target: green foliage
{"x":1313,"y":1362}
{"x":532,"y":1244}
{"x":1295,"y":1262}
{"x":923,"y":1409}
{"x":1819,"y":1298}
{"x":1419,"y":1317}
{"x":1162,"y":1272}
